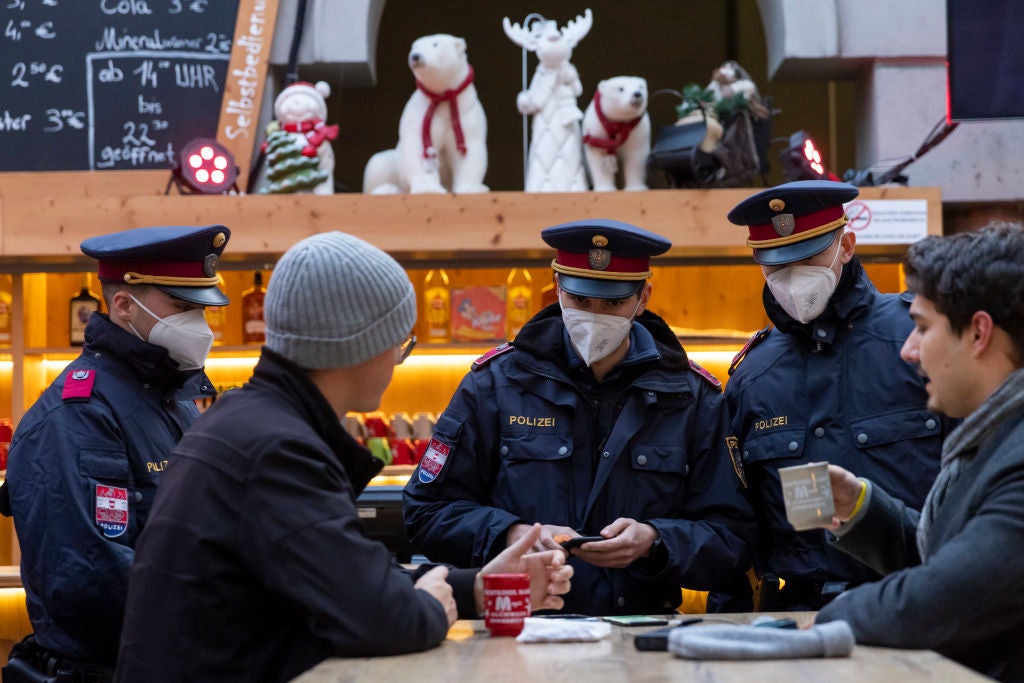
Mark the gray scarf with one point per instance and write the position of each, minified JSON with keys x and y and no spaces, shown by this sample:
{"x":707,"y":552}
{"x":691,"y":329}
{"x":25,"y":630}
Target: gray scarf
{"x":962,"y":445}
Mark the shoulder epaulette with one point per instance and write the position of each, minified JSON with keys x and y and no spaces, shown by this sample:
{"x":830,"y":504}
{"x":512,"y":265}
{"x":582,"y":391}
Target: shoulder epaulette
{"x":706,"y":374}
{"x":491,"y":355}
{"x":78,"y":385}
{"x":758,"y":337}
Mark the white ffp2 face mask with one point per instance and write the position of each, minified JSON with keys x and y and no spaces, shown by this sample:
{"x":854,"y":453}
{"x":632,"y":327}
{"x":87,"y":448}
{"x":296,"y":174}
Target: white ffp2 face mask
{"x":803,"y":291}
{"x":595,"y":335}
{"x":186,"y":336}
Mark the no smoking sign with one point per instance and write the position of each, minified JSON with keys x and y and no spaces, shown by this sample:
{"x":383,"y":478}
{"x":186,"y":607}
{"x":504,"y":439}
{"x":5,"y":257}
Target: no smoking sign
{"x":858,"y":215}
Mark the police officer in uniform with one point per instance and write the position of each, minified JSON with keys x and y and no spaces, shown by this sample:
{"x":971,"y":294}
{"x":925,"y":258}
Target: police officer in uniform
{"x":826,"y":383}
{"x":87,"y":457}
{"x":593,"y":422}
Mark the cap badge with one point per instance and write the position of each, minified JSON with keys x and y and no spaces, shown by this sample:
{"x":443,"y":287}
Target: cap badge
{"x":784,"y":224}
{"x":776,"y":205}
{"x":599,"y":259}
{"x":599,"y":241}
{"x":210,"y":265}
{"x":218,"y":240}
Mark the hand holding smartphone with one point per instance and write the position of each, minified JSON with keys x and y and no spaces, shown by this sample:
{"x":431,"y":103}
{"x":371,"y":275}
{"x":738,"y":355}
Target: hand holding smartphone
{"x":577,"y":541}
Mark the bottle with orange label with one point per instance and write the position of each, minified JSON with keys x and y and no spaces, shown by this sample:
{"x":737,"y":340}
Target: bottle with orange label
{"x":252,"y":311}
{"x":437,"y":306}
{"x":518,"y":301}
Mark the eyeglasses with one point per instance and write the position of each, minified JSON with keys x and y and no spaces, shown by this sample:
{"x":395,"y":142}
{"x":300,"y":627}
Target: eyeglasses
{"x":406,"y":348}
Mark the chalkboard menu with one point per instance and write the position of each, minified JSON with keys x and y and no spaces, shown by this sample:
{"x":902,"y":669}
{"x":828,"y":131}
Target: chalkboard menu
{"x":109,"y":84}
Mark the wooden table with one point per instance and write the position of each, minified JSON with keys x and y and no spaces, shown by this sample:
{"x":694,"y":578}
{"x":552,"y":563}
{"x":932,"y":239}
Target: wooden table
{"x":470,"y":654}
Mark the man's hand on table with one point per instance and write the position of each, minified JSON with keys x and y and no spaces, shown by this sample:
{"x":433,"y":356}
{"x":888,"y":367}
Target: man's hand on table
{"x":435,"y":583}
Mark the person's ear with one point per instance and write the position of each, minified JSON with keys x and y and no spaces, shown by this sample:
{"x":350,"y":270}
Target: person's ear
{"x":645,"y":297}
{"x":980,"y":328}
{"x":120,"y":306}
{"x":848,"y":243}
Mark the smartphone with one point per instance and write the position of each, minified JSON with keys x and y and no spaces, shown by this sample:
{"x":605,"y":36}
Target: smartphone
{"x":776,"y":623}
{"x":657,"y":640}
{"x":577,"y":541}
{"x":636,"y":620}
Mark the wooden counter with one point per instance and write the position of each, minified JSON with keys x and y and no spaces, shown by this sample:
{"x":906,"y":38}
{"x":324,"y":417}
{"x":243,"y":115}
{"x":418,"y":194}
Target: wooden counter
{"x":470,"y":654}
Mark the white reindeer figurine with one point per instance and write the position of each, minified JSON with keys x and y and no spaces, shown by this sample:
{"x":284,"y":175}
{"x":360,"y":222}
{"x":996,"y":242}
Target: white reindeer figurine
{"x":555,"y":160}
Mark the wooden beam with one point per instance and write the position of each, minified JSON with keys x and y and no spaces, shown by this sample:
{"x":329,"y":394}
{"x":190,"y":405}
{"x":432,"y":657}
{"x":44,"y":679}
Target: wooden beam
{"x":493,"y":224}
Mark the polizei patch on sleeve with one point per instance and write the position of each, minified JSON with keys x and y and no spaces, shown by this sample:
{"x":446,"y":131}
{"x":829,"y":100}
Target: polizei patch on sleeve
{"x":433,"y":460}
{"x":111,"y":510}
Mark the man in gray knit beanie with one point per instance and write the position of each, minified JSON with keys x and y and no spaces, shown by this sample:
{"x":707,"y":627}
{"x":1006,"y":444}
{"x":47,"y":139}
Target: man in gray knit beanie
{"x":335,"y":301}
{"x":258,"y":516}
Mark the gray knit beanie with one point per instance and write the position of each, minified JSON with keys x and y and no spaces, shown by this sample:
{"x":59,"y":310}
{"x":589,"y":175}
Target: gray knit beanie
{"x":335,"y":301}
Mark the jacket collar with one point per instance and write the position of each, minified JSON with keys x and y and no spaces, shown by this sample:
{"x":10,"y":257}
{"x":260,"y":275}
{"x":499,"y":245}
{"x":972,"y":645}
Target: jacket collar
{"x":853,"y":294}
{"x":286,"y":377}
{"x":654,"y":347}
{"x":149,"y":362}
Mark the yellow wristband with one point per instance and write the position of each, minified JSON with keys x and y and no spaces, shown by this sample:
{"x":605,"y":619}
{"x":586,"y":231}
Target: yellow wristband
{"x":860,"y":499}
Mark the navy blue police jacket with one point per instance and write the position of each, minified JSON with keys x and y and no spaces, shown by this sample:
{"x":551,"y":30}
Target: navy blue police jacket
{"x":834,"y":390}
{"x":83,"y":470}
{"x":520,"y":442}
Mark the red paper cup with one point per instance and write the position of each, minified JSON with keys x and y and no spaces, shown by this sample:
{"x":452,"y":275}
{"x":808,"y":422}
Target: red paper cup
{"x":506,"y":603}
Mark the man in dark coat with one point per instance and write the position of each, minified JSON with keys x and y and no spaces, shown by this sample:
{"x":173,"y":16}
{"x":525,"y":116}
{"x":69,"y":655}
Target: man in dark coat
{"x":86,"y":459}
{"x":255,"y":565}
{"x":592,"y":421}
{"x":826,"y":383}
{"x":954,"y":573}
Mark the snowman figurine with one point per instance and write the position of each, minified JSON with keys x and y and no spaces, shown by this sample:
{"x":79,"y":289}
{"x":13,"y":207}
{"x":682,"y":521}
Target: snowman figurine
{"x":299,"y":157}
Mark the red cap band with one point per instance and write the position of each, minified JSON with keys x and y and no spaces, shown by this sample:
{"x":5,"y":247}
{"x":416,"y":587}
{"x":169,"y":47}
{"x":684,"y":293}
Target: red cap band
{"x":617,"y":264}
{"x":810,"y":221}
{"x":113,"y":271}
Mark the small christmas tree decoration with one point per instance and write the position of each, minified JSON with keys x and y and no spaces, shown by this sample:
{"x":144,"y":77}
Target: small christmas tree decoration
{"x":299,"y":154}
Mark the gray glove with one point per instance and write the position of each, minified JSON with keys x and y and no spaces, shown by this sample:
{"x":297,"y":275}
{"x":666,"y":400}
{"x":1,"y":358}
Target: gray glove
{"x":833,"y":639}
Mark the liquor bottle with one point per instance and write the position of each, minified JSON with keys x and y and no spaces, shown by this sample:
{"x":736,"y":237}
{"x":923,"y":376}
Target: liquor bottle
{"x":519,"y":301}
{"x":80,"y":308}
{"x":437,"y":306}
{"x":252,"y":311}
{"x":6,"y":312}
{"x":216,"y":315}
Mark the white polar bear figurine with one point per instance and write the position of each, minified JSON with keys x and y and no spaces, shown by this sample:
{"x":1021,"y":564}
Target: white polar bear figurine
{"x":617,"y":131}
{"x":442,"y":135}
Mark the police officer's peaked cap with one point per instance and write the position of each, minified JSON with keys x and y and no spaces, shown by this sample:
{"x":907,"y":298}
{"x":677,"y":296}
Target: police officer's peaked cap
{"x":602,"y":258}
{"x":180,"y":260}
{"x":793,"y":221}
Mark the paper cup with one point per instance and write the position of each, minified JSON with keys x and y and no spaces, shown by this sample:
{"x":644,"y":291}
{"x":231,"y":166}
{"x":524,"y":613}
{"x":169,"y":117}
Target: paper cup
{"x":807,"y":494}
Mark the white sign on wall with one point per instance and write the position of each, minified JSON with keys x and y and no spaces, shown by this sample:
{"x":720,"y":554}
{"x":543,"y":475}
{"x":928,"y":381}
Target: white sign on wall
{"x":888,"y":221}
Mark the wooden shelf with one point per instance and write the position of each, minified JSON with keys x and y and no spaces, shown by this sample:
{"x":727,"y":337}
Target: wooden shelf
{"x":40,"y":227}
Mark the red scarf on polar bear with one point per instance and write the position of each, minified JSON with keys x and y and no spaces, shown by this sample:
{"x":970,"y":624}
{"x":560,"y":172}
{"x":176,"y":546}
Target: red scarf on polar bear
{"x":617,"y":131}
{"x":448,"y":96}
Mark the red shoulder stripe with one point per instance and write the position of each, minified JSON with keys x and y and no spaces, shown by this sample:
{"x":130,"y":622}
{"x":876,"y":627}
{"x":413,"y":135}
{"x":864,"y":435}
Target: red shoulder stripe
{"x":492,"y":354}
{"x":758,"y":337}
{"x":706,"y":374}
{"x":78,"y":384}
